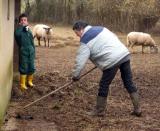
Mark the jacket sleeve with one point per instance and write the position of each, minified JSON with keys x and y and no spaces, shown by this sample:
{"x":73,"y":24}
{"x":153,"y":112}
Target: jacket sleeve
{"x":83,"y":55}
{"x":17,"y":36}
{"x":32,"y":38}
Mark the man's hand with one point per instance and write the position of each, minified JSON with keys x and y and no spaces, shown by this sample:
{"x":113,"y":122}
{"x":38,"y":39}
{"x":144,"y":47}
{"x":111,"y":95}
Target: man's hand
{"x":75,"y":79}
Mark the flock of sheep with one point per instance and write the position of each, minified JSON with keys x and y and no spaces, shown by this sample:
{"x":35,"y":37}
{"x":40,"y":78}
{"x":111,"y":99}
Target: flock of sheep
{"x":41,"y":31}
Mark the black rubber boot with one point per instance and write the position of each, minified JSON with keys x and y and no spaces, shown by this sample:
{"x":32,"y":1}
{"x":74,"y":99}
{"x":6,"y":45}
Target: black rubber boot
{"x":135,"y":100}
{"x":99,"y":110}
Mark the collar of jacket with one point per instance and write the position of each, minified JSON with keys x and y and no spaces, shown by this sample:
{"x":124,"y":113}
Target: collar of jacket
{"x":86,"y":29}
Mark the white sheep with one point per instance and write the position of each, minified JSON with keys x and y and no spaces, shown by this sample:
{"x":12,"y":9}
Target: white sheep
{"x":143,"y":39}
{"x":42,"y":31}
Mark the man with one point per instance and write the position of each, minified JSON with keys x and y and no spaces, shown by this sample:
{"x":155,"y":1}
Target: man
{"x":106,"y":51}
{"x":24,"y":39}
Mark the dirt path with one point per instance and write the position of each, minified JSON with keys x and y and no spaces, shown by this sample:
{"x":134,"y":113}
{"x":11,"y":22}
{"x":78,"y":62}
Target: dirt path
{"x":65,"y":110}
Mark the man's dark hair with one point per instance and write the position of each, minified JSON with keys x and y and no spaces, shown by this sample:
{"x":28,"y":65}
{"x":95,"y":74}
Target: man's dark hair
{"x":78,"y":25}
{"x":22,"y":15}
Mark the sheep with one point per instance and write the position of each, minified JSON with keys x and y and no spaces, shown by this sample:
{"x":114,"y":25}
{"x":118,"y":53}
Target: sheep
{"x":143,"y":39}
{"x":42,"y":31}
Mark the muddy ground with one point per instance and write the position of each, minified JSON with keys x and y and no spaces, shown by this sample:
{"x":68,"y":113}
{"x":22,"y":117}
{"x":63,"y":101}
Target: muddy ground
{"x":65,"y":110}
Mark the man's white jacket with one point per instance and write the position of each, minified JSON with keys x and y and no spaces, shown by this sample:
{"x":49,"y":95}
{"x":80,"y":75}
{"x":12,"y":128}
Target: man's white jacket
{"x":101,"y":46}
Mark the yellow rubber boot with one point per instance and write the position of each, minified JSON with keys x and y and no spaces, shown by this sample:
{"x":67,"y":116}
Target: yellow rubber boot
{"x":30,"y":80}
{"x":23,"y":86}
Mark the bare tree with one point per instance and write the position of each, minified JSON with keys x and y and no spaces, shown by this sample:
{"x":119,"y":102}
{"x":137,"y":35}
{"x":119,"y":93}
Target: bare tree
{"x":119,"y":15}
{"x":27,"y":7}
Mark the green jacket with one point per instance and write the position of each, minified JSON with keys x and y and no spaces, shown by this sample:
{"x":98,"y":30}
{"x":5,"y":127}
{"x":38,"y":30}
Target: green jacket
{"x":26,"y":46}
